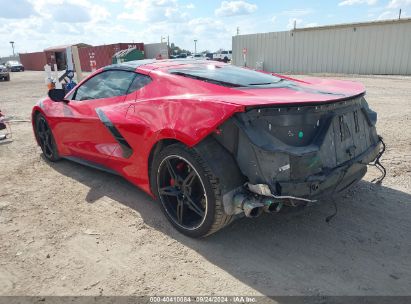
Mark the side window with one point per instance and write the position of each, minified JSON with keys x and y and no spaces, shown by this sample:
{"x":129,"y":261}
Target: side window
{"x":139,"y":82}
{"x":104,"y":85}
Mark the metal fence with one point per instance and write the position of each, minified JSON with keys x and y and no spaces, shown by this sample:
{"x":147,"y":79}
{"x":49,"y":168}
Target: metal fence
{"x":382,"y":47}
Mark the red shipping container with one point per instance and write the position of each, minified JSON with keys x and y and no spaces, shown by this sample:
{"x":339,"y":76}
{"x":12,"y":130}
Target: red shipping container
{"x":96,"y":57}
{"x":33,"y":61}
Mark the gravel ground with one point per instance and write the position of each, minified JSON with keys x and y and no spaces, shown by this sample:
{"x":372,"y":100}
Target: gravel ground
{"x":66,"y":229}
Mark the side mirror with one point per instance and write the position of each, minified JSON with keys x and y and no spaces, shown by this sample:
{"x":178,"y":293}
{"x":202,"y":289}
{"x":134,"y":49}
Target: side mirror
{"x":57,"y":95}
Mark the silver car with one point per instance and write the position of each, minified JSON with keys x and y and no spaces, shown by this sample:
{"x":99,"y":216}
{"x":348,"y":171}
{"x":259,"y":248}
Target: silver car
{"x":4,"y":73}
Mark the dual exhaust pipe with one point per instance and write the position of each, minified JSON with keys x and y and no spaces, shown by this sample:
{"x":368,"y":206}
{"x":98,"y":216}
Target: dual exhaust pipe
{"x":253,"y":207}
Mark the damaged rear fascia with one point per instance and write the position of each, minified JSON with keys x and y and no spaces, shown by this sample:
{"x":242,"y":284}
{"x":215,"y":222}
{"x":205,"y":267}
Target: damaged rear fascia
{"x":243,"y":121}
{"x":240,"y":126}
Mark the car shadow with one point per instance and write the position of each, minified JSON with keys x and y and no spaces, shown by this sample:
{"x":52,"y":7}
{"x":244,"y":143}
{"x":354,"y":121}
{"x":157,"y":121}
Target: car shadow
{"x":364,"y":250}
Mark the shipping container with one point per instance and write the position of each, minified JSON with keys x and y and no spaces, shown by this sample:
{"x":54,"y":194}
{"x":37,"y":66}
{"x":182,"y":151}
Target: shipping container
{"x":57,"y":55}
{"x":95,"y":57}
{"x":33,"y":61}
{"x":156,"y":51}
{"x":127,"y":55}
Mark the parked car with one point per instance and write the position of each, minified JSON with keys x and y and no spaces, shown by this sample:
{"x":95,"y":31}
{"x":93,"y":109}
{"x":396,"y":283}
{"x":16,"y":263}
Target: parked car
{"x":211,"y":141}
{"x":14,"y":66}
{"x":209,"y":56}
{"x":4,"y":73}
{"x":224,"y":56}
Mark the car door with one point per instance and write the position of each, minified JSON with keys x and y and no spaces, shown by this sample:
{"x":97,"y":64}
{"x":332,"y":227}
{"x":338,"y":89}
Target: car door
{"x":81,"y":131}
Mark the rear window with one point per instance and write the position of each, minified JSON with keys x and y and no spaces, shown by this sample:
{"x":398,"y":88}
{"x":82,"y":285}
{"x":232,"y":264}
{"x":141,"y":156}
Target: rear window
{"x":227,"y":75}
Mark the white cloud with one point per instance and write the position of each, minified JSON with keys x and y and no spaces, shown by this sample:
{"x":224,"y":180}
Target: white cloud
{"x":235,"y":8}
{"x":59,"y":13}
{"x":353,"y":2}
{"x":297,"y":12}
{"x":274,"y":19}
{"x":155,"y":11}
{"x":399,"y":3}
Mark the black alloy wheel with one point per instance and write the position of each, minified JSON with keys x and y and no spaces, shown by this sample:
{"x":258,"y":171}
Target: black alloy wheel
{"x":46,"y":139}
{"x":188,"y":191}
{"x":182,"y":192}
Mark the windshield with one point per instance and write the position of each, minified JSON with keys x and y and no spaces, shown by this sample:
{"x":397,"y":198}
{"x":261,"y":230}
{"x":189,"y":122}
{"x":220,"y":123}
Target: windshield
{"x":227,"y":75}
{"x":13,"y":62}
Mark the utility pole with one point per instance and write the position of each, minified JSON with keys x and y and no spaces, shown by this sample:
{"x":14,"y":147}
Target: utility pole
{"x":12,"y":46}
{"x":399,"y":16}
{"x":168,"y":45}
{"x":238,"y":30}
{"x":195,"y":46}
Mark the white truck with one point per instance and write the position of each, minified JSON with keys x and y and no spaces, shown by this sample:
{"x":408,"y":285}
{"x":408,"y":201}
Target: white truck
{"x":223,"y":56}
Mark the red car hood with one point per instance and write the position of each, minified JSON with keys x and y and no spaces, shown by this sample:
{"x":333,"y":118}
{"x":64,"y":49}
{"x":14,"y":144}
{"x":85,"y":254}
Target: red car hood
{"x":293,"y":91}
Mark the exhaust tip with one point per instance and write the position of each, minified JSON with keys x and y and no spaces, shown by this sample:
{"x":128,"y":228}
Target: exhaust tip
{"x":255,"y":212}
{"x":272,"y":207}
{"x":250,"y":206}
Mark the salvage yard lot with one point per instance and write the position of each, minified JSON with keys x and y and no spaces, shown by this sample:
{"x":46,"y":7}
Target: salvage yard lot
{"x":66,"y":229}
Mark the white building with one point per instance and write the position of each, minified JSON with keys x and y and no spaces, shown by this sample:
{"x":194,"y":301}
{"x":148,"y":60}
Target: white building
{"x":380,"y":47}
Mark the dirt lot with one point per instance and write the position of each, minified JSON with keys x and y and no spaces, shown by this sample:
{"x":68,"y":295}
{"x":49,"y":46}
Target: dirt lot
{"x":66,"y":229}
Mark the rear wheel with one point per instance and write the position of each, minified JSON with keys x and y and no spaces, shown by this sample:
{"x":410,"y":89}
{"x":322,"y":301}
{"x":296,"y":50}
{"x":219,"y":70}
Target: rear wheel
{"x":46,"y":139}
{"x":7,"y":78}
{"x":188,"y":192}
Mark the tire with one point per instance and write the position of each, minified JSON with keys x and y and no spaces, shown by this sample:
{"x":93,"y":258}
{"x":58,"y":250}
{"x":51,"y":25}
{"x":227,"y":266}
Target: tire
{"x":204,"y":194}
{"x":7,"y":78}
{"x":45,"y":139}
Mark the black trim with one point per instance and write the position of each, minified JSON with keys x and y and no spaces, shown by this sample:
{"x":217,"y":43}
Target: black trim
{"x":91,"y":164}
{"x":127,"y":150}
{"x":313,"y":103}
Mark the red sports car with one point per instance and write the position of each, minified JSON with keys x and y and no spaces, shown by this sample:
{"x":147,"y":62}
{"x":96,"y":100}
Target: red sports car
{"x":212,"y":141}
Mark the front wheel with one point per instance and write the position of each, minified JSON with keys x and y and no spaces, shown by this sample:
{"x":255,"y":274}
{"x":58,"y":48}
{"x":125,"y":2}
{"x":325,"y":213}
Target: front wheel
{"x":46,"y":139}
{"x":188,"y":192}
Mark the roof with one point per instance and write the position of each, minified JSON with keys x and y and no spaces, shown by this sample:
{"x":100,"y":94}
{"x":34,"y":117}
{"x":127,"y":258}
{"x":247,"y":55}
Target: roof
{"x":350,"y":25}
{"x":64,"y":46}
{"x":357,"y":24}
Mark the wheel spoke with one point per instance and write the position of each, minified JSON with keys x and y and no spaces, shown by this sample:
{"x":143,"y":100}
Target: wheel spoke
{"x":189,"y":179}
{"x":171,"y":170}
{"x":180,"y":211}
{"x":49,"y":146}
{"x":169,"y":191}
{"x":41,"y":135}
{"x":193,"y":206}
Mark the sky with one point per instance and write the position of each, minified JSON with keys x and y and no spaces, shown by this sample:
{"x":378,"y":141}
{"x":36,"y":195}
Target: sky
{"x":37,"y":24}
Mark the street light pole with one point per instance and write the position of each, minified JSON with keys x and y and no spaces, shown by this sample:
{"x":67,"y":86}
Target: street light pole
{"x":12,"y":46}
{"x":195,"y":46}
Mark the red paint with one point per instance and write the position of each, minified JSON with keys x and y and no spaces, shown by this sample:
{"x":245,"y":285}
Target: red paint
{"x":33,"y":61}
{"x":170,"y":107}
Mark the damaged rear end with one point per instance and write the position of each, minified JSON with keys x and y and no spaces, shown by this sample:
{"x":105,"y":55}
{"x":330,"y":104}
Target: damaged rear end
{"x":295,"y":154}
